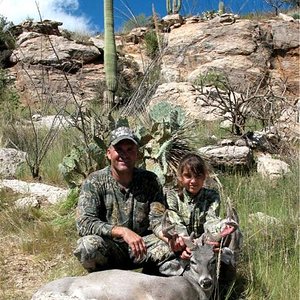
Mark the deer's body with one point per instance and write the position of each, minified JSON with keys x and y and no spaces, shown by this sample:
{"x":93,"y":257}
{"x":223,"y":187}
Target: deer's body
{"x":197,"y":282}
{"x":121,"y":285}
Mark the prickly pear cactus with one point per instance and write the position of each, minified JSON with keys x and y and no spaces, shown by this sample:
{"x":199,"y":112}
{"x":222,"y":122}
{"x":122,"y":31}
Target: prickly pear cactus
{"x":163,"y":143}
{"x":164,"y":111}
{"x":81,"y":161}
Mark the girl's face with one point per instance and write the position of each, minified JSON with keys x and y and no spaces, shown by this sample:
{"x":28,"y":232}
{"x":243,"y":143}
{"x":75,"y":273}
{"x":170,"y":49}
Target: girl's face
{"x":192,"y":183}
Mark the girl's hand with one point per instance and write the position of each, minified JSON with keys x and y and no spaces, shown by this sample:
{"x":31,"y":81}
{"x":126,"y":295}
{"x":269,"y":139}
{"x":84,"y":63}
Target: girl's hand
{"x":176,"y":243}
{"x":216,"y":245}
{"x":186,"y":254}
{"x":227,"y":230}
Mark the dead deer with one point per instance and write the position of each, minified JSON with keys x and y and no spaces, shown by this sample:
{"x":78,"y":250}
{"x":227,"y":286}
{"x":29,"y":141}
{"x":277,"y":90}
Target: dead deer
{"x":196,"y":282}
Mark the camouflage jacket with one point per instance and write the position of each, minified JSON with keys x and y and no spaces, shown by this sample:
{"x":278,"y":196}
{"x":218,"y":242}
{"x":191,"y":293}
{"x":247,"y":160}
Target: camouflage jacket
{"x":196,"y":214}
{"x":103,"y":204}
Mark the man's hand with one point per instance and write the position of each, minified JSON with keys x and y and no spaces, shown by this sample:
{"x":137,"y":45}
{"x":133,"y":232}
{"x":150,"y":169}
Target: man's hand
{"x":134,"y":241}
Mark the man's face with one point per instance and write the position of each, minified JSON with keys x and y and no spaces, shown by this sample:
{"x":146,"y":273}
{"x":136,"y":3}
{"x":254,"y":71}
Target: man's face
{"x":123,"y":155}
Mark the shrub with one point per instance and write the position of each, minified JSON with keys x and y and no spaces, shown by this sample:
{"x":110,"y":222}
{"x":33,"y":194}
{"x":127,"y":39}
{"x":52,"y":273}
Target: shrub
{"x":6,"y":39}
{"x":79,"y":36}
{"x":151,"y":44}
{"x":137,"y":21}
{"x":9,"y":98}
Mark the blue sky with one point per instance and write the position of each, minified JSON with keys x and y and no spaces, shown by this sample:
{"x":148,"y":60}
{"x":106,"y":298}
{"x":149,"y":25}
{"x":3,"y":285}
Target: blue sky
{"x":94,"y":8}
{"x":87,"y":15}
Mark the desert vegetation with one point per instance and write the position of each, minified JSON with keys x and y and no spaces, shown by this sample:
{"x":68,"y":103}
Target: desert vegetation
{"x":37,"y":242}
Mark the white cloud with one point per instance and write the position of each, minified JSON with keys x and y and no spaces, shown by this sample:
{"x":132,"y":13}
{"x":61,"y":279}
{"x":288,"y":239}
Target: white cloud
{"x":66,"y":11}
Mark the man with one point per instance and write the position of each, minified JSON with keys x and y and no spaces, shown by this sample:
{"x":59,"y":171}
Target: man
{"x":119,"y":212}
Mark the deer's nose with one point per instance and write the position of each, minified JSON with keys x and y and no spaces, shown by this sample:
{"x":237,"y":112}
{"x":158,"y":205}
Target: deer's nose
{"x":206,"y":283}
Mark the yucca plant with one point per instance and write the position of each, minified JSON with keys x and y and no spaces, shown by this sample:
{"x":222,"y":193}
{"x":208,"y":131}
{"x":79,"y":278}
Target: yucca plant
{"x":165,"y":141}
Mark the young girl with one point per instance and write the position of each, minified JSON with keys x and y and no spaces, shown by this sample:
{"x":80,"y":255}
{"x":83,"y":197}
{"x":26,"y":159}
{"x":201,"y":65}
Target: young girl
{"x":193,"y":208}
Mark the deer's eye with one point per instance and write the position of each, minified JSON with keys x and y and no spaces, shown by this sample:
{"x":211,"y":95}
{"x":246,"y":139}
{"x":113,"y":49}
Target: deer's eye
{"x":192,"y":262}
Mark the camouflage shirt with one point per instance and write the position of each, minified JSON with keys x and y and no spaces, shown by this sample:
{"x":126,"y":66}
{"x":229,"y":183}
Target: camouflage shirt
{"x":196,"y":214}
{"x":103,"y":203}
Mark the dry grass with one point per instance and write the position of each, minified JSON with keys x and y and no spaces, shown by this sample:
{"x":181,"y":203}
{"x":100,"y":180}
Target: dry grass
{"x":36,"y":247}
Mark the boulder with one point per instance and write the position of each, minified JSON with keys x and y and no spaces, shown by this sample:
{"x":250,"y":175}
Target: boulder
{"x":10,"y":161}
{"x":271,"y":168}
{"x":51,"y":122}
{"x":228,"y":156}
{"x":185,"y":95}
{"x":52,"y":194}
{"x":243,"y":50}
{"x":66,"y":51}
{"x":27,"y":202}
{"x":263,"y":220}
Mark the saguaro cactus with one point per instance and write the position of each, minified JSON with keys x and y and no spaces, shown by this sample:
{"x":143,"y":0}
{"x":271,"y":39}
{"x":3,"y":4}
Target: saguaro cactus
{"x":174,"y":8}
{"x":110,"y":53}
{"x":221,"y":8}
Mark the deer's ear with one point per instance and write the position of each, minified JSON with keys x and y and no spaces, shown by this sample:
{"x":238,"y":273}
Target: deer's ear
{"x":174,"y":267}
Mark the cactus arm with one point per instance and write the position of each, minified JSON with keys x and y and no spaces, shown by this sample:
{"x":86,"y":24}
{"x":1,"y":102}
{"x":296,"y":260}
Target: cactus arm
{"x":177,"y":6}
{"x":169,"y":9}
{"x":174,"y":8}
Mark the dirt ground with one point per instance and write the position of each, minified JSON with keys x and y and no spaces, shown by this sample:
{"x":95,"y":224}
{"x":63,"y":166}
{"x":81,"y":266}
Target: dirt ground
{"x":21,"y":274}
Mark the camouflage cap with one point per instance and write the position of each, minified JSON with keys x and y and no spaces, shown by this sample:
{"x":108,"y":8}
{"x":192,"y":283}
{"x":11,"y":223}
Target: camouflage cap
{"x":122,"y":133}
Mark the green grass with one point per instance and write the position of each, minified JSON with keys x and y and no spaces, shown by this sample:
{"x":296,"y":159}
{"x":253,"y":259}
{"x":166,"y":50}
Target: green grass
{"x":209,"y":132}
{"x":269,"y":267}
{"x":269,"y":264}
{"x":58,"y":150}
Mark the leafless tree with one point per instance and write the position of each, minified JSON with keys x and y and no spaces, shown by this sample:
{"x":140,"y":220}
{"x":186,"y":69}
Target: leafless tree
{"x":276,"y":4}
{"x":257,"y":100}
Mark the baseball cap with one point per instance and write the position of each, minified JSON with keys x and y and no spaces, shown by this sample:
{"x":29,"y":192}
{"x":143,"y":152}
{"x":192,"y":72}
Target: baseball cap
{"x":122,"y":133}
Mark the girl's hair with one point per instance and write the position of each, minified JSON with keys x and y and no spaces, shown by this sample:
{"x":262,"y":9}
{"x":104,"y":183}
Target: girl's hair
{"x":195,"y":164}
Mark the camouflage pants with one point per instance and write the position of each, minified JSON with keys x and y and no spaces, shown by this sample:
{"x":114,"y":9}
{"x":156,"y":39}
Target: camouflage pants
{"x":100,"y":253}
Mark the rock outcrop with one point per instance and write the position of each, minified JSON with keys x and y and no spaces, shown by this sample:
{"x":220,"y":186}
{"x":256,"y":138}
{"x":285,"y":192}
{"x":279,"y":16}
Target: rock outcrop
{"x":244,"y":50}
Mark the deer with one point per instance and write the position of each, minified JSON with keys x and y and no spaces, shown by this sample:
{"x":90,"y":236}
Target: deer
{"x":197,"y":281}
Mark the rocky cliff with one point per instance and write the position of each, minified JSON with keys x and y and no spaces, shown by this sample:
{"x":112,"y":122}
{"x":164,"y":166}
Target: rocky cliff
{"x":244,"y":49}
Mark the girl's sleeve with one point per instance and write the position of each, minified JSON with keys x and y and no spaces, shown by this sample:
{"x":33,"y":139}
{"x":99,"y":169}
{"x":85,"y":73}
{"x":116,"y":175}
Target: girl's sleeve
{"x":212,"y":223}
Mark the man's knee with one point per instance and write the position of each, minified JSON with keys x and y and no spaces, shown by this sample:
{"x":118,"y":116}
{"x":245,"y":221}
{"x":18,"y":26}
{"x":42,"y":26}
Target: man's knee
{"x":91,"y":251}
{"x":159,"y":252}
